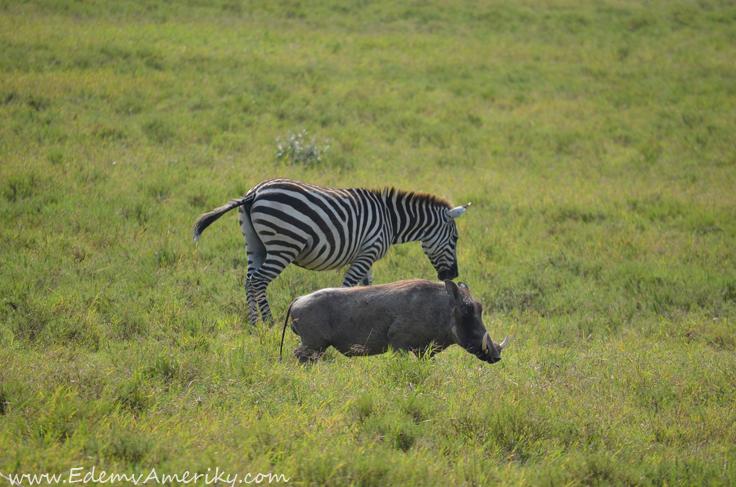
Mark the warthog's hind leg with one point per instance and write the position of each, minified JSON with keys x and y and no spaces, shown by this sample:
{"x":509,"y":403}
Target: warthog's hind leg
{"x":307,"y":355}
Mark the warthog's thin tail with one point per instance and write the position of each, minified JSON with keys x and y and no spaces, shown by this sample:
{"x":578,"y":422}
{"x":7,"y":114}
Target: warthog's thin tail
{"x":205,"y":220}
{"x":283,"y":332}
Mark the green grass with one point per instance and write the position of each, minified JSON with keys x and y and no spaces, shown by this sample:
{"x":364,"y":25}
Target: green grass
{"x":594,"y":139}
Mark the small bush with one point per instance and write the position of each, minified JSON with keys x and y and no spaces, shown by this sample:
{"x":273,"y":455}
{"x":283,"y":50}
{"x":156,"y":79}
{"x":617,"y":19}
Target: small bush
{"x":299,"y":149}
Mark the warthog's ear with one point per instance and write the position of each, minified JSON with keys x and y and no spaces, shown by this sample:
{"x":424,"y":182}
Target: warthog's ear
{"x":454,"y":334}
{"x":463,"y":285}
{"x":456,"y":212}
{"x":453,"y":291}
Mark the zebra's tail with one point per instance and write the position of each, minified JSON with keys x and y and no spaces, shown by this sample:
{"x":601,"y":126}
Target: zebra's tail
{"x":205,"y":220}
{"x":283,"y":332}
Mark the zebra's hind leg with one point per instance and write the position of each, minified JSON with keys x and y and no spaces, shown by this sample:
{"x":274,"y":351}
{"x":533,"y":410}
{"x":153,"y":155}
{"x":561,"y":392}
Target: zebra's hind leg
{"x":256,"y":251}
{"x":256,"y":257}
{"x":262,"y":277}
{"x":252,"y":306}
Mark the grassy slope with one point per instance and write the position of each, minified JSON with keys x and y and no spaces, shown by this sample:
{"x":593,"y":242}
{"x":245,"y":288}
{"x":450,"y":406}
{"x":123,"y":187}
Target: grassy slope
{"x":595,"y":141}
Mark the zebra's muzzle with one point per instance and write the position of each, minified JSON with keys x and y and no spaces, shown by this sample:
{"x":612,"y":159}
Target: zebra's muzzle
{"x":450,"y":273}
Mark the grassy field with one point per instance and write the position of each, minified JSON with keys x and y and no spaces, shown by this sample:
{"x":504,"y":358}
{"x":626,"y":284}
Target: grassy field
{"x":596,"y":141}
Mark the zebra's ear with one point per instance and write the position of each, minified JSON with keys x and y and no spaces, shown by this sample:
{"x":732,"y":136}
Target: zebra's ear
{"x":456,"y":212}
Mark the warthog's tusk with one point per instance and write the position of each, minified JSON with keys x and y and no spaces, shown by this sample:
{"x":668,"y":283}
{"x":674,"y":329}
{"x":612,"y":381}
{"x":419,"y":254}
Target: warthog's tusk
{"x":454,"y":334}
{"x":504,"y":342}
{"x":486,"y":342}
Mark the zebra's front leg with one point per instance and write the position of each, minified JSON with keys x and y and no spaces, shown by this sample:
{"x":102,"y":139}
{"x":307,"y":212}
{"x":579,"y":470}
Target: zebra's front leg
{"x":367,"y":280}
{"x":359,"y":271}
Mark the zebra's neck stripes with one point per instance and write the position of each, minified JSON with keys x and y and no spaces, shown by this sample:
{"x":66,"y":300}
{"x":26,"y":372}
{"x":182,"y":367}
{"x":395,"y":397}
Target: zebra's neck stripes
{"x":413,"y":215}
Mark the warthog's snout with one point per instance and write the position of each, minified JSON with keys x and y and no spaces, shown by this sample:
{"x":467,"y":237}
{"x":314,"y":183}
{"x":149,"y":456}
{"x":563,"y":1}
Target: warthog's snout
{"x":491,"y":349}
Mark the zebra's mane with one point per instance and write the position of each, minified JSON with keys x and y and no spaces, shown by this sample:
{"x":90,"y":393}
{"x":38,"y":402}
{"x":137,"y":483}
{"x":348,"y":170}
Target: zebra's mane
{"x":414,"y":195}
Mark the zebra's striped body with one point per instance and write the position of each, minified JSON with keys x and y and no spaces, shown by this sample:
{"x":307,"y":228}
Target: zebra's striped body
{"x":285,"y":221}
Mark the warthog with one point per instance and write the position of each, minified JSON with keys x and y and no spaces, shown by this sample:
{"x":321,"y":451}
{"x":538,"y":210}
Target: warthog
{"x":416,"y":315}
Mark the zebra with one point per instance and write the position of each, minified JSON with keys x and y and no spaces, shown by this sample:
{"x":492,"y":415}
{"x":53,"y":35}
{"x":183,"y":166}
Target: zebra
{"x":285,"y":221}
